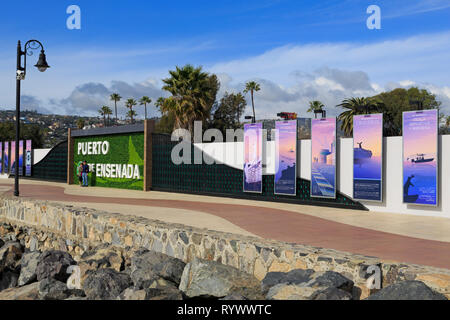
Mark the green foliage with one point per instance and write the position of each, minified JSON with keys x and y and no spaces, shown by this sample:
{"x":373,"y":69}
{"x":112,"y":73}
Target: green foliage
{"x":193,"y":95}
{"x":252,"y":87}
{"x":27,"y":132}
{"x":315,"y":105}
{"x":228,"y":112}
{"x":392,"y":104}
{"x":355,"y":106}
{"x":123,"y":149}
{"x":397,"y":101}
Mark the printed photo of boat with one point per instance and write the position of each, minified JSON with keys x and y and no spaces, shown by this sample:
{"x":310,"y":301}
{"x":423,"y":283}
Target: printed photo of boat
{"x":286,"y":157}
{"x":252,"y":158}
{"x":323,"y":158}
{"x":420,"y":157}
{"x":367,"y":157}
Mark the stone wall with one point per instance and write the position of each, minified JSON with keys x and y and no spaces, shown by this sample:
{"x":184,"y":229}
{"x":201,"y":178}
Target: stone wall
{"x":54,"y":226}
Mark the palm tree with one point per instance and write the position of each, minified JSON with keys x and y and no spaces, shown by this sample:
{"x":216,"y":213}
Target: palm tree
{"x":144,"y":101}
{"x":252,"y":87}
{"x":116,"y":98}
{"x":80,"y":123}
{"x":356,"y":106}
{"x":131,"y":114}
{"x":193,"y":93}
{"x":108,"y":112}
{"x":447,"y":123}
{"x":105,"y":111}
{"x":315,"y":106}
{"x":130,"y":103}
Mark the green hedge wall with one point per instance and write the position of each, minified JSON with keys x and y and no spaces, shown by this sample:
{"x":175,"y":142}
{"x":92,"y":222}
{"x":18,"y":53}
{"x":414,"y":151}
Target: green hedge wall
{"x":123,"y":149}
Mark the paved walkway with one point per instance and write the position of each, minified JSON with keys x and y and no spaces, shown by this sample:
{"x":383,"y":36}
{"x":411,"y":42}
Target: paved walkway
{"x":412,"y":239}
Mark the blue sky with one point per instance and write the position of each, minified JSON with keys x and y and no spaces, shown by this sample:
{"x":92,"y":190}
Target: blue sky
{"x":298,"y":50}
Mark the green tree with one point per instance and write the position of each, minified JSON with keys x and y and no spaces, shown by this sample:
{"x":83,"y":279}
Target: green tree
{"x":116,"y":98}
{"x":130,"y":103}
{"x":252,"y":87}
{"x":80,"y":123}
{"x":144,"y":101}
{"x":31,"y":132}
{"x":228,"y":111}
{"x":193,"y":94}
{"x":315,"y":105}
{"x":131,"y":114}
{"x":104,"y":112}
{"x":355,"y":106}
{"x":397,"y":101}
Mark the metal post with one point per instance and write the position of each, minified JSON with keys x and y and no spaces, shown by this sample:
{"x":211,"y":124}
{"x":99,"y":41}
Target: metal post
{"x":16,"y":169}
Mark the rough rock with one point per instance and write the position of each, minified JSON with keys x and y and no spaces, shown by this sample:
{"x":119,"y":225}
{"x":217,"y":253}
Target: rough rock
{"x":1,"y":243}
{"x":28,"y":268}
{"x":105,"y":284}
{"x":28,"y":292}
{"x":333,"y":294}
{"x":164,"y":293}
{"x":8,"y":279}
{"x":146,"y":266}
{"x":10,"y":255}
{"x":407,"y":290}
{"x":132,"y":294}
{"x":234,"y":297}
{"x":328,"y":285}
{"x":52,"y":289}
{"x":296,"y":276}
{"x":54,"y":264}
{"x":105,"y":256}
{"x":210,"y":278}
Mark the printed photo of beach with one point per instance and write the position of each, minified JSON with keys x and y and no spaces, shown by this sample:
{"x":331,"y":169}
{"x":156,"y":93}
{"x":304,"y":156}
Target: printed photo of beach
{"x":323,"y":158}
{"x":253,"y":157}
{"x":420,"y":152}
{"x":367,"y":157}
{"x":286,"y":157}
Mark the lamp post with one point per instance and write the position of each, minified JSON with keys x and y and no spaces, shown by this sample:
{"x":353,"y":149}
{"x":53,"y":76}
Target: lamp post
{"x":20,"y":75}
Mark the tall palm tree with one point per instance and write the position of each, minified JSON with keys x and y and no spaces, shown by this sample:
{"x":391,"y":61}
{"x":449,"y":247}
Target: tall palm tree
{"x":355,"y":106}
{"x":314,"y":106}
{"x":130,"y":103}
{"x":104,"y":111}
{"x":252,"y":87}
{"x":116,"y":98}
{"x":131,"y":114}
{"x":108,"y":112}
{"x":144,"y":101}
{"x":80,"y":123}
{"x":193,"y":93}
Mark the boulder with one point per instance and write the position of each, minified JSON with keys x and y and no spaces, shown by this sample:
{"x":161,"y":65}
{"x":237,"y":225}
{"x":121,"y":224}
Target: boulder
{"x":147,"y":266}
{"x":105,"y":284}
{"x":163,"y":293}
{"x":234,"y":297}
{"x":332,"y":294}
{"x":28,"y":292}
{"x":296,"y":276}
{"x":210,"y":278}
{"x":54,"y":264}
{"x":52,"y":289}
{"x":330,"y":279}
{"x":1,"y":243}
{"x":328,"y":285}
{"x":28,"y":266}
{"x":105,"y":256}
{"x":10,"y":255}
{"x":132,"y":294}
{"x":8,"y":279}
{"x":407,"y":290}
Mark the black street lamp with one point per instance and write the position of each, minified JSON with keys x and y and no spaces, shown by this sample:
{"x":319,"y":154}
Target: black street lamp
{"x":20,"y":75}
{"x":250,"y":118}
